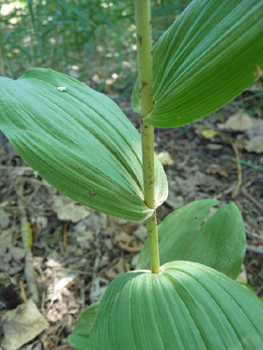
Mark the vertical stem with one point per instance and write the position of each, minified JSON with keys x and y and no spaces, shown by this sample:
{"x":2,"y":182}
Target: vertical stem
{"x":152,"y":237}
{"x":144,"y":55}
{"x":2,"y":63}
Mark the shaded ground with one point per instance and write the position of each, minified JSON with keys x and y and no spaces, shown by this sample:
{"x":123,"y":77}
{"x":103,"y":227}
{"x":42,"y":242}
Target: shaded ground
{"x":77,"y":252}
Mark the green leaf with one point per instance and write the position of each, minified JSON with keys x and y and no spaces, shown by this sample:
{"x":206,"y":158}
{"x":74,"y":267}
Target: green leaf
{"x":187,"y":306}
{"x":211,"y":53}
{"x":79,"y":141}
{"x":248,"y":287}
{"x":219,"y":243}
{"x":79,"y":339}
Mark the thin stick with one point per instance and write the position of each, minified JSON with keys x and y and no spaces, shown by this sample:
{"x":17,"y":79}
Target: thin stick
{"x":144,"y":55}
{"x":239,"y":172}
{"x":254,"y":250}
{"x":27,"y":243}
{"x":253,"y":200}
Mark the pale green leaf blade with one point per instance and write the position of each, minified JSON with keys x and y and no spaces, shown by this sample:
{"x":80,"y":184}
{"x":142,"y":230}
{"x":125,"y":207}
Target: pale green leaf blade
{"x":211,"y":53}
{"x":79,"y":141}
{"x":79,"y":339}
{"x":219,"y":243}
{"x":186,"y":306}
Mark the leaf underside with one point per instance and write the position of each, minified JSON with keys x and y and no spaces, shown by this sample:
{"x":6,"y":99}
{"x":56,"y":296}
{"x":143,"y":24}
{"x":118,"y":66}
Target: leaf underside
{"x":187,"y":306}
{"x":79,"y":141}
{"x":211,"y":53}
{"x":219,"y":243}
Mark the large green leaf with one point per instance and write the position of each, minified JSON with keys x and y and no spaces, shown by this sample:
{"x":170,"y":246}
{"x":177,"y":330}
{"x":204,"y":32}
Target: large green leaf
{"x":186,"y":307}
{"x":79,"y":141}
{"x":79,"y":339}
{"x":211,"y":53}
{"x":219,"y":243}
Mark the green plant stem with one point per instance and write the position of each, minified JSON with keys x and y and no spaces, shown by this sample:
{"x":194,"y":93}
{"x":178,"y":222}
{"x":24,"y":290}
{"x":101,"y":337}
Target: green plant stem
{"x":144,"y":54}
{"x":2,"y":63}
{"x":152,"y":237}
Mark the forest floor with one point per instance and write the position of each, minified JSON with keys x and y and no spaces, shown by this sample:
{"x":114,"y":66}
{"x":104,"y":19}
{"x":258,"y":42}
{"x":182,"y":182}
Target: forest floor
{"x":77,"y":252}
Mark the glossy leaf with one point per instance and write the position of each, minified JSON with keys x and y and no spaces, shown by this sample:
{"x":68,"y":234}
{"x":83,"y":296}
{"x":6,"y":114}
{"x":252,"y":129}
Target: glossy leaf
{"x":79,"y":339}
{"x":211,"y":53}
{"x":79,"y":141}
{"x":187,"y":306}
{"x":219,"y":243}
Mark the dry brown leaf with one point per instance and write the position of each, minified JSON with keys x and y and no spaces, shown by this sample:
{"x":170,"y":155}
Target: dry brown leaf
{"x":241,"y":143}
{"x":255,"y":144}
{"x":22,"y":325}
{"x":217,"y":169}
{"x":237,"y":122}
{"x":141,"y":233}
{"x":98,"y":288}
{"x":116,"y":269}
{"x":126,"y":242}
{"x":68,"y":210}
{"x":257,"y":129}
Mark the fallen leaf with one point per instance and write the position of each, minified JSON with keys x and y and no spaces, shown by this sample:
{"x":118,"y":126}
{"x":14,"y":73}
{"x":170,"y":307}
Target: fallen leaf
{"x":41,"y":222}
{"x":98,"y":288}
{"x":255,"y":144}
{"x":217,"y":169}
{"x":241,"y":143}
{"x":257,"y":129}
{"x":22,"y":325}
{"x":165,"y":158}
{"x":68,"y":210}
{"x":141,"y":233}
{"x":127,"y":242}
{"x":237,"y":122}
{"x":66,"y":280}
{"x":4,"y":219}
{"x":115,"y":270}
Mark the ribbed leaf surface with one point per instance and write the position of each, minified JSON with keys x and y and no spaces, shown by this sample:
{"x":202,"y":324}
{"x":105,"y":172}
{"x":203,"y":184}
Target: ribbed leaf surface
{"x":79,"y":339}
{"x":187,"y":306}
{"x":219,"y":243}
{"x":211,"y":53}
{"x":79,"y":141}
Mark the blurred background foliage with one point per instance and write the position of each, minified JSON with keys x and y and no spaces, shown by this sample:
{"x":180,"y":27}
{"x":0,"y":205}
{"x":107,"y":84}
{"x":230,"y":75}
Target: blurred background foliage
{"x":93,"y":41}
{"x":89,"y":40}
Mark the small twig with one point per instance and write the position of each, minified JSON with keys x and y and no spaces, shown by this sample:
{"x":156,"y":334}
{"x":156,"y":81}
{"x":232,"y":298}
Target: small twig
{"x":22,"y":291}
{"x":27,"y":239}
{"x":253,"y":235}
{"x":253,"y":200}
{"x":239,"y":172}
{"x":254,"y":250}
